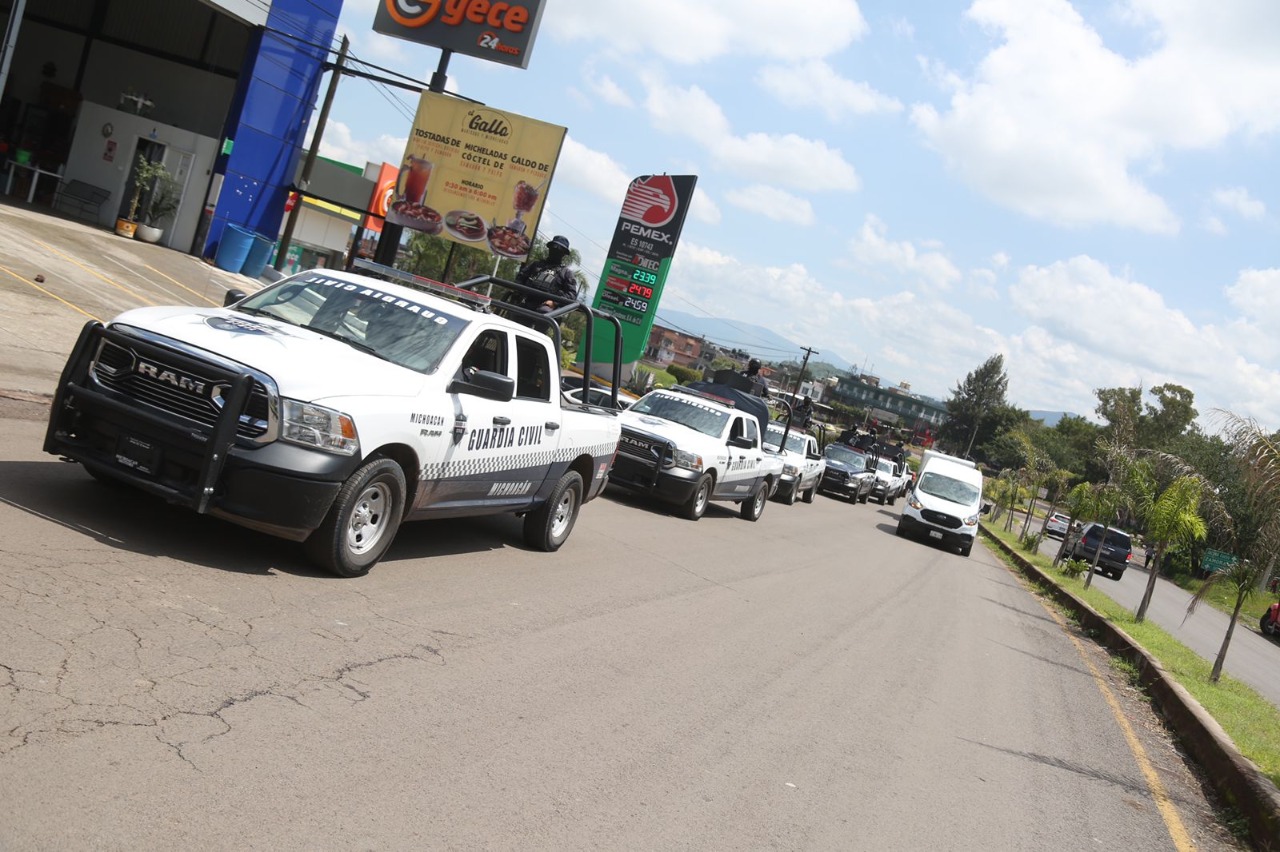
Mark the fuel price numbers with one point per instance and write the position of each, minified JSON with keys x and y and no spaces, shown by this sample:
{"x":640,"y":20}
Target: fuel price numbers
{"x":628,"y":289}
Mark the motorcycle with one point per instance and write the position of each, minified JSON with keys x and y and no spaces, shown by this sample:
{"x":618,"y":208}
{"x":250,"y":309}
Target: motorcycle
{"x":1270,"y":621}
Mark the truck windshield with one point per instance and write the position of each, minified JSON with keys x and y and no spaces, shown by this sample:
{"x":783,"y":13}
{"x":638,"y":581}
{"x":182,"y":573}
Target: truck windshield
{"x":885,"y":466}
{"x":847,"y":455}
{"x":686,"y":412}
{"x":946,"y":488}
{"x":795,"y":441}
{"x":400,"y":330}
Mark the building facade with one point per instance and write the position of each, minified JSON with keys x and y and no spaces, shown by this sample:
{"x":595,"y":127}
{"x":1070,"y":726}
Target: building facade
{"x":220,"y":91}
{"x":896,"y":405}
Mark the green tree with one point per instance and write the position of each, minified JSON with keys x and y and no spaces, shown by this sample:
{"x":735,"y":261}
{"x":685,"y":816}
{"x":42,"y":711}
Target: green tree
{"x":1172,"y":517}
{"x":1161,"y":425}
{"x":972,"y":403}
{"x":1255,"y":515}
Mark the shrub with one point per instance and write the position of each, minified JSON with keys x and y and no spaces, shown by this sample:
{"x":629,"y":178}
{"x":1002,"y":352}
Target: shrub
{"x":684,"y":375}
{"x":1031,"y":543}
{"x":1074,"y":567}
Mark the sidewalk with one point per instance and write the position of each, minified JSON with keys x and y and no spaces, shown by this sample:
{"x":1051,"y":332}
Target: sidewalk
{"x":56,"y":274}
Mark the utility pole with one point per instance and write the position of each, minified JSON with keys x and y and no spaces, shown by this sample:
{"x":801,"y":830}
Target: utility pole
{"x":800,"y":376}
{"x":304,"y":179}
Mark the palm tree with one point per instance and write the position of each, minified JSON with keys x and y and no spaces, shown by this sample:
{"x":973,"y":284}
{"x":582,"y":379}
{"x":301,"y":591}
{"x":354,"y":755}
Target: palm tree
{"x":1256,"y":528}
{"x":1173,"y":517}
{"x":1102,"y":504}
{"x":1078,"y":504}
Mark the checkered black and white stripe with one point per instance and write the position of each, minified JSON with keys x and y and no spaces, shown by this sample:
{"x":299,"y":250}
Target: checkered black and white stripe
{"x":465,"y":468}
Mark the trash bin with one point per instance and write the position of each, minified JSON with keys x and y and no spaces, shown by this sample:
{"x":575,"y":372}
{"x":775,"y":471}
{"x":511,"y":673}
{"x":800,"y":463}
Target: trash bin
{"x":255,"y":263}
{"x":233,"y":248}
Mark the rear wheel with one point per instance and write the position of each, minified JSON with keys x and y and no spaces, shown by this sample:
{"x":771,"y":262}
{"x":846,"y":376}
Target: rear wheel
{"x":753,"y":506}
{"x":548,"y":526}
{"x":696,"y":505}
{"x":362,"y":520}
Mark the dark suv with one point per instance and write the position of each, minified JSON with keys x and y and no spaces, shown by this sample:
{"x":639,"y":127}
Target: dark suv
{"x":1117,"y":549}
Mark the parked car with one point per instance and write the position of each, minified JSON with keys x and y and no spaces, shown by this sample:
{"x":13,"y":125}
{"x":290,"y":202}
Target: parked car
{"x":850,"y":473}
{"x":1117,"y":549}
{"x":1057,"y":526}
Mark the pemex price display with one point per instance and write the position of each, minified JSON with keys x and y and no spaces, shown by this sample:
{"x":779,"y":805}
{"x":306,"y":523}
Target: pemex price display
{"x":628,"y":289}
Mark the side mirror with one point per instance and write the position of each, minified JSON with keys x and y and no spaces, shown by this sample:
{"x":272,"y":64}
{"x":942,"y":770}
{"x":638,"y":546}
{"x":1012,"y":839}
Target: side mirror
{"x":742,"y":442}
{"x":986,"y":508}
{"x":232,"y":297}
{"x":484,"y":384}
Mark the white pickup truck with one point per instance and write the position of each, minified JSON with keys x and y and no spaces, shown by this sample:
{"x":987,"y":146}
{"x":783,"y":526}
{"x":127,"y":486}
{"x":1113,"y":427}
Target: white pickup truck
{"x":331,"y":406}
{"x":690,"y":447}
{"x":802,"y":464}
{"x":891,"y":481}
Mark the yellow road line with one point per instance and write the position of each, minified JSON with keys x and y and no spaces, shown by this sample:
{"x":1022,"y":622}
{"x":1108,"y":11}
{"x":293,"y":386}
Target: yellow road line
{"x":180,"y":284}
{"x":35,"y":286}
{"x":1173,"y":822}
{"x":95,"y":273}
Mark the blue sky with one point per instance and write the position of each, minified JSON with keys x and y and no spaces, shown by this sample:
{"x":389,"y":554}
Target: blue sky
{"x":1088,"y":188}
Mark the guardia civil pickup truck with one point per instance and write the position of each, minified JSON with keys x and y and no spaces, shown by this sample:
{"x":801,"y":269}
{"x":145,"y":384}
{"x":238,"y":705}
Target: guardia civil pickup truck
{"x":690,"y":447}
{"x":331,"y":406}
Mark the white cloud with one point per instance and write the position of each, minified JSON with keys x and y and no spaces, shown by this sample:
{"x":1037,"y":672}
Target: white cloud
{"x":696,"y":31}
{"x":608,"y":91}
{"x":1054,"y":124}
{"x":339,"y":143}
{"x":1106,"y":330}
{"x":786,"y":159}
{"x":592,"y":171}
{"x":1214,"y":225}
{"x":872,"y":248}
{"x":1238,"y":200}
{"x":704,"y":208}
{"x":816,"y":84}
{"x":772,"y":203}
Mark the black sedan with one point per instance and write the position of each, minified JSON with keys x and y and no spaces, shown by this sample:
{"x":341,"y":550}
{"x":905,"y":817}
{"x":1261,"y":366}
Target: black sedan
{"x":850,"y":473}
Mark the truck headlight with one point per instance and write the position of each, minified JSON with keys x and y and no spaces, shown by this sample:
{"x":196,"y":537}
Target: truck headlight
{"x":687,"y":460}
{"x":914,"y":503}
{"x":790,"y":470}
{"x":971,"y":521}
{"x":318,"y":427}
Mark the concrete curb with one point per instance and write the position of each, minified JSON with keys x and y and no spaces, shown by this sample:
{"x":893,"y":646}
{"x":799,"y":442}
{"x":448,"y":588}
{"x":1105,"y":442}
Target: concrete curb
{"x":1236,"y":778}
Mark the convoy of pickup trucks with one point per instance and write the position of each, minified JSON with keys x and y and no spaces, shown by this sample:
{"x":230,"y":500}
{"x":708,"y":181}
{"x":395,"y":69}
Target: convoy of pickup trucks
{"x":331,"y":406}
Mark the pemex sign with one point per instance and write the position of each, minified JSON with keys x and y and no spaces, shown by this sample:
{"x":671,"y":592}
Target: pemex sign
{"x":635,"y":270}
{"x":497,"y":30}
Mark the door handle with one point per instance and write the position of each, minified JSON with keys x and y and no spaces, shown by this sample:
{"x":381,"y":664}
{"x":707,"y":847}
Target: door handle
{"x":552,"y":425}
{"x":501,"y":421}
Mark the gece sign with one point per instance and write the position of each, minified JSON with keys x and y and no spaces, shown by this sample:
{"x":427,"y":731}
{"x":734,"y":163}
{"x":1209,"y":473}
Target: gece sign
{"x":497,"y":30}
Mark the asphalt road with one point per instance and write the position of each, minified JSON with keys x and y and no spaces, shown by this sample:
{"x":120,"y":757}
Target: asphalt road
{"x":1251,"y":658}
{"x":809,"y":681}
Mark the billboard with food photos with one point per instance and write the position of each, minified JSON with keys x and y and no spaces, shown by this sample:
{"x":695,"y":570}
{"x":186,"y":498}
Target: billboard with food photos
{"x":497,"y":30}
{"x":475,"y":175}
{"x":635,"y":271}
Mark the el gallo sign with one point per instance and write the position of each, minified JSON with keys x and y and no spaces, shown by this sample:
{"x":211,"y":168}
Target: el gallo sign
{"x":497,"y":30}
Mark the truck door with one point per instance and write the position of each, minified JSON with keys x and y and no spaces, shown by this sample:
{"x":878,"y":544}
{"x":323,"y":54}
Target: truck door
{"x":744,"y":463}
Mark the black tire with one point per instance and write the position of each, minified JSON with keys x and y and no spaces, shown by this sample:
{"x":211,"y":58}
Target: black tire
{"x":966,"y":549}
{"x":808,"y":495}
{"x":753,"y":507}
{"x":548,"y":526}
{"x":362,"y":522}
{"x":696,"y":506}
{"x":1266,"y":625}
{"x":900,"y":532}
{"x":892,"y":500}
{"x":862,"y":498}
{"x":790,"y":499}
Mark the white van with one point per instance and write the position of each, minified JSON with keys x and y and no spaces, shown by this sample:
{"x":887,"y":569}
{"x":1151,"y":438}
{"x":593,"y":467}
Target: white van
{"x":945,"y":504}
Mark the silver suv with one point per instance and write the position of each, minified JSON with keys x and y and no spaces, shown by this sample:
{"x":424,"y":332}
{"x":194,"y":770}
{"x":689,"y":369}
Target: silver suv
{"x":1117,"y":549}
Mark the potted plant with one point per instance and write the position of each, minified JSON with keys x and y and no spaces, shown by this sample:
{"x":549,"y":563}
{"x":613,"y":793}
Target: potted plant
{"x":145,"y":175}
{"x":160,"y":204}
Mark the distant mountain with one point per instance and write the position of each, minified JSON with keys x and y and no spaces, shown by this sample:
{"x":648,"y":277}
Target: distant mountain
{"x":1050,"y":418}
{"x":735,"y":334}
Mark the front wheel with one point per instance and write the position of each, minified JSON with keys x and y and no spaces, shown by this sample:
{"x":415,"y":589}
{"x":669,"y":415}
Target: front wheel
{"x":892,"y":499}
{"x":1267,"y":625}
{"x":548,"y":526}
{"x":362,"y":520}
{"x":808,"y":495}
{"x":862,"y":498}
{"x":790,"y":499}
{"x":753,"y":506}
{"x":696,"y":505}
